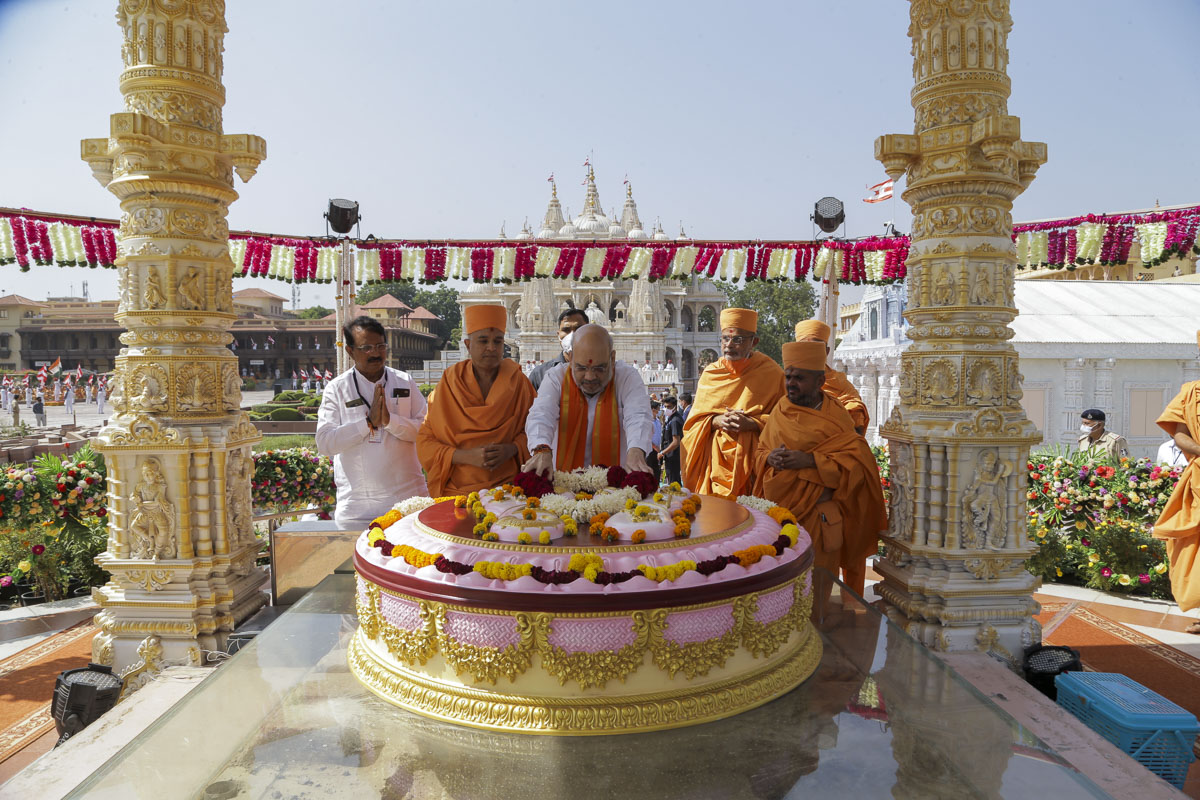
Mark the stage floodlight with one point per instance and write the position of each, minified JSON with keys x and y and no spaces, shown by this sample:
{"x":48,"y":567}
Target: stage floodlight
{"x":829,"y":214}
{"x":342,"y":215}
{"x":81,"y":696}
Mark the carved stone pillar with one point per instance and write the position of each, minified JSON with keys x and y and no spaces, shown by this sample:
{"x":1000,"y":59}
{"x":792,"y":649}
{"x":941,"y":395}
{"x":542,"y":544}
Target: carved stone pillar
{"x":177,"y":448}
{"x":1102,"y":393}
{"x":1073,"y":370}
{"x":954,"y":574}
{"x":1191,"y":370}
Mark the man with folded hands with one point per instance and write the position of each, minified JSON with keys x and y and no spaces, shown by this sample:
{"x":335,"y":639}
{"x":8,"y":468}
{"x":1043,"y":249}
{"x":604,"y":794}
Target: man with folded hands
{"x":811,"y":460}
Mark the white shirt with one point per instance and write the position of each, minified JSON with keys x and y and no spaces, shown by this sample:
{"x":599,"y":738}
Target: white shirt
{"x":1170,"y":454}
{"x":371,"y":476}
{"x":637,"y":422}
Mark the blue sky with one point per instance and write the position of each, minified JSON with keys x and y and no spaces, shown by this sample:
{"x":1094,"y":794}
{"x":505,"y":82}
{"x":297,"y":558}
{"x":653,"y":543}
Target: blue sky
{"x":444,"y":119}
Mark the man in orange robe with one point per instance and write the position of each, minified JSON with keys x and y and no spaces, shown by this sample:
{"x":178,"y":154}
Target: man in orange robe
{"x":1179,"y":523}
{"x":836,"y":383}
{"x":812,"y":461}
{"x":733,"y":398}
{"x":474,"y":434}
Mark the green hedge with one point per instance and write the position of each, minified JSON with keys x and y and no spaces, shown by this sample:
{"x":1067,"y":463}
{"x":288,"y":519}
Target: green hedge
{"x":286,"y":415}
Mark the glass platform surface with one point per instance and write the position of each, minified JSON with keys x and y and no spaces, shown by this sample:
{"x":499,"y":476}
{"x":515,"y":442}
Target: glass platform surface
{"x":880,"y":718}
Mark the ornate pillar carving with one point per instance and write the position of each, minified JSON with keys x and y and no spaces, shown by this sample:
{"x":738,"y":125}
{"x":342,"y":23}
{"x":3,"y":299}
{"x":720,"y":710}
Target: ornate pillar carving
{"x":1102,"y":395}
{"x":178,"y":448}
{"x":954,"y":574}
{"x":1191,"y":370}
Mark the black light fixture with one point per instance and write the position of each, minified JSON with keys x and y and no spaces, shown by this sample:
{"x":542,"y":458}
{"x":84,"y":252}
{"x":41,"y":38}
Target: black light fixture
{"x":342,"y":215}
{"x":81,"y":696}
{"x":829,"y":214}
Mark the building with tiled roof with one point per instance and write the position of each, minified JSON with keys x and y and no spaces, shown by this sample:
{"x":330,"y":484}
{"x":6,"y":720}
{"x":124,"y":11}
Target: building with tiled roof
{"x":259,"y":299}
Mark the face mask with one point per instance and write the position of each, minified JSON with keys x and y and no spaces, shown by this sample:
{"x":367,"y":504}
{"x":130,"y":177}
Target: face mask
{"x":1085,"y":428}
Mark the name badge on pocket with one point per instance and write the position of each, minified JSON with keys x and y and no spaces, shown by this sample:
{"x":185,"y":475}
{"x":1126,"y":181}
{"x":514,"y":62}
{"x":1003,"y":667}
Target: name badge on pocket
{"x":355,"y":403}
{"x":398,"y":392}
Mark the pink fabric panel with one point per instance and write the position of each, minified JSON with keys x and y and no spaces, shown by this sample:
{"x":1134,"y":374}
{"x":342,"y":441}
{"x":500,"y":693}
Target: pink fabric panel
{"x":482,"y":630}
{"x":403,"y":614}
{"x":700,"y":625}
{"x":592,"y":635}
{"x":774,"y":605}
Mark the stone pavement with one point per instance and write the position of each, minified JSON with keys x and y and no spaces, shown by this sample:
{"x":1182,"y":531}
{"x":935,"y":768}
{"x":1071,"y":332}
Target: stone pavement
{"x":88,"y":414}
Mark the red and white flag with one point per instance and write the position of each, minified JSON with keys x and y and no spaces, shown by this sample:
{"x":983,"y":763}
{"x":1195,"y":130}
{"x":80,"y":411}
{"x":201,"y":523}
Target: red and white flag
{"x":328,"y":375}
{"x":79,"y":372}
{"x":293,"y":374}
{"x":880,"y":192}
{"x":303,"y":374}
{"x":42,"y":374}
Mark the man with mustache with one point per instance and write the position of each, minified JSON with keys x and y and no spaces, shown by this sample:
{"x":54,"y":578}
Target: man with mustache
{"x":591,"y":411}
{"x":733,"y":398}
{"x":812,"y":461}
{"x":474,"y":435}
{"x":569,"y":321}
{"x":368,"y":424}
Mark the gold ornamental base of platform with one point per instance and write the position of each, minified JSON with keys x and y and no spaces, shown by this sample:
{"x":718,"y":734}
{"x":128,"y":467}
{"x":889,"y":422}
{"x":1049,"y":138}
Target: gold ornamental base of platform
{"x":693,"y":702}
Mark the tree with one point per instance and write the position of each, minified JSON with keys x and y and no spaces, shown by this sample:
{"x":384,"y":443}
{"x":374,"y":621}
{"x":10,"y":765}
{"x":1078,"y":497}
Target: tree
{"x":780,"y":305}
{"x":314,"y":312}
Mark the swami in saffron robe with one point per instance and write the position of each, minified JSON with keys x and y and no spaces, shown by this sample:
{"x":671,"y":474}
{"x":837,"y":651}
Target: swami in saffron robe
{"x":844,"y":465}
{"x":838,"y":385}
{"x":720,"y":463}
{"x":1179,"y":522}
{"x":460,"y":418}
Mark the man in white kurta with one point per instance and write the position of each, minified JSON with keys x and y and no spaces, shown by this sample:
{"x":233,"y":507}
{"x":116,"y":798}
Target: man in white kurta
{"x":591,"y":367}
{"x":101,"y":396}
{"x":69,"y":398}
{"x":368,"y":423}
{"x":87,"y":394}
{"x":58,"y":390}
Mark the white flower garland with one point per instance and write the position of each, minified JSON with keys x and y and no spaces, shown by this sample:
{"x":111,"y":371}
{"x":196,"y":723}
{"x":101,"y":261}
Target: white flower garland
{"x":1039,"y":249}
{"x":413,"y":505}
{"x":565,"y":505}
{"x":1153,"y":236}
{"x":873,"y":261}
{"x":1089,"y":237}
{"x":8,"y":250}
{"x":757,"y":503}
{"x":589,"y":479}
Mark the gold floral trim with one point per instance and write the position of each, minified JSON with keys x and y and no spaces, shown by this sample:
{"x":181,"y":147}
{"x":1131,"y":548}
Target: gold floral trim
{"x":599,"y":667}
{"x":696,"y":658}
{"x":584,"y":716}
{"x":488,"y":664}
{"x":764,"y":639}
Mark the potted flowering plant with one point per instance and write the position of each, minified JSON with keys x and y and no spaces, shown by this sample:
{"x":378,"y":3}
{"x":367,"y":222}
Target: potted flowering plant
{"x":292,"y":479}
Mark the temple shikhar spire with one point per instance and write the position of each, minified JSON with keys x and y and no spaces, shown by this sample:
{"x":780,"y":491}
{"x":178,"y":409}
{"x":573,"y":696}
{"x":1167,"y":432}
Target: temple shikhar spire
{"x":954,"y":571}
{"x":181,"y":547}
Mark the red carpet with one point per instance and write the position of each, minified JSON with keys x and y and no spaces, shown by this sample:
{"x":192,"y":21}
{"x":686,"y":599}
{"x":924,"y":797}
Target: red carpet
{"x":27,"y":683}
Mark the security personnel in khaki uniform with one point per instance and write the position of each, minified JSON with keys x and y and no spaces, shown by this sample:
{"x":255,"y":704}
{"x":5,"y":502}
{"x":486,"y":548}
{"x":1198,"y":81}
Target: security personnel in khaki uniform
{"x":1093,"y":438}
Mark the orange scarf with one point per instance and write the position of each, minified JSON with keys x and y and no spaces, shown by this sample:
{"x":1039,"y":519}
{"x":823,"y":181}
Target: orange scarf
{"x":572,"y":427}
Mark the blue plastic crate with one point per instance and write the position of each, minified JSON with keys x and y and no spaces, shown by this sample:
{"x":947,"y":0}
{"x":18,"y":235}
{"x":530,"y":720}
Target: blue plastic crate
{"x":1147,"y":726}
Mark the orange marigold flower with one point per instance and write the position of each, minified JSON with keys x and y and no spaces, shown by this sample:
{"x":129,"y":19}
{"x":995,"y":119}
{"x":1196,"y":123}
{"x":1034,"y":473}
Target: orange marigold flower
{"x":528,"y":513}
{"x":639,"y":536}
{"x":599,"y":519}
{"x":609,"y":534}
{"x":752,"y":555}
{"x":533,"y":502}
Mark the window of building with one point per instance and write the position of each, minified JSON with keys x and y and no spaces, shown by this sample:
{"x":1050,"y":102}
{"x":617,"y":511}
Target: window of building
{"x":74,"y":342}
{"x":1145,"y":406}
{"x":1034,"y":403}
{"x":873,"y":326}
{"x":94,"y":343}
{"x":3,"y":313}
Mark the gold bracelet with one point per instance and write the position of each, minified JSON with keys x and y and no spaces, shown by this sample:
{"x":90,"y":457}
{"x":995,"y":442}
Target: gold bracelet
{"x":541,"y":448}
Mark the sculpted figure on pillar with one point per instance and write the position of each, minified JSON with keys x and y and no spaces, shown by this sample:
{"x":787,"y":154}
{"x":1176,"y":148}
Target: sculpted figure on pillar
{"x":152,"y":529}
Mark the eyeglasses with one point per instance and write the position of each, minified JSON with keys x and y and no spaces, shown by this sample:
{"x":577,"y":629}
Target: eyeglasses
{"x":372,"y":348}
{"x":734,"y":340}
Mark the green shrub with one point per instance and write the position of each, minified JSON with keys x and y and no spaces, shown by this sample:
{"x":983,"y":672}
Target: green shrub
{"x":263,"y":408}
{"x":310,"y":417}
{"x":289,"y":396}
{"x":285,"y":415}
{"x":426,"y":389}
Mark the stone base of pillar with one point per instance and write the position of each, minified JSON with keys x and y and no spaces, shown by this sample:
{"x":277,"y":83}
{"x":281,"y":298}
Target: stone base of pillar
{"x":944,"y":604}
